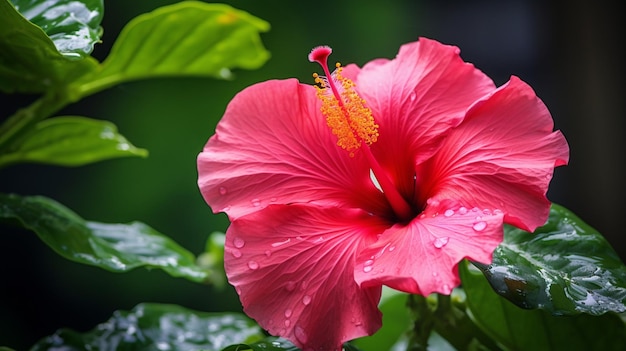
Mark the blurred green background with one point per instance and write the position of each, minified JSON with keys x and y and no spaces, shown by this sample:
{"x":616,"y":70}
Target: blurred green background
{"x":570,"y":55}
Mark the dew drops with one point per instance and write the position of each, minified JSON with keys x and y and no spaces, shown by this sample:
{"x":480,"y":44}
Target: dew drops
{"x":268,"y":253}
{"x":448,"y":213}
{"x":446,"y":289}
{"x":463,"y":210}
{"x":391,"y":248}
{"x":304,"y":285}
{"x":413,"y":96}
{"x":369,"y":262}
{"x":280,"y":243}
{"x":236,"y":253}
{"x":288,"y":313}
{"x":256,"y":202}
{"x":301,"y":334}
{"x":367,"y":269}
{"x":306,"y":300}
{"x":223,"y":190}
{"x":287,"y":323}
{"x":290,"y":286}
{"x":239,"y":243}
{"x":432,"y":202}
{"x":273,"y":199}
{"x":253,"y":265}
{"x":480,"y":226}
{"x":441,"y":242}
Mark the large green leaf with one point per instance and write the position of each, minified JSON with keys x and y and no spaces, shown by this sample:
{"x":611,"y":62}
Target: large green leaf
{"x":158,"y":327}
{"x":70,"y":141}
{"x":515,"y":328}
{"x":188,"y":38}
{"x":114,"y":247}
{"x":29,"y":59}
{"x":565,"y":267}
{"x":73,"y":26}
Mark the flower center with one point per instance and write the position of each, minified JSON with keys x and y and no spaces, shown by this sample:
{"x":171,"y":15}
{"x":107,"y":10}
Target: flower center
{"x":352,"y":122}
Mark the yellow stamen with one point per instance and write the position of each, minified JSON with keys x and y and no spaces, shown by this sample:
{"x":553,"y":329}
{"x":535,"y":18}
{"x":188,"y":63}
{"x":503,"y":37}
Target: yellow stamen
{"x":347,"y":115}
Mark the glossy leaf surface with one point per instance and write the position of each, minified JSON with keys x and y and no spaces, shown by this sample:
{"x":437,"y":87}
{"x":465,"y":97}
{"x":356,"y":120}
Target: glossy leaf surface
{"x":29,"y":59}
{"x":189,"y":38}
{"x":70,"y":141}
{"x":73,"y":26}
{"x":114,"y":247}
{"x":521,"y":329}
{"x":158,"y":327}
{"x":565,"y":267}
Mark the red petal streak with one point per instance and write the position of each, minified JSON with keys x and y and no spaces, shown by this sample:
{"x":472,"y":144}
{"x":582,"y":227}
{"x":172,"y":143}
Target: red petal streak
{"x":273,"y":147}
{"x":422,"y":257}
{"x":416,"y":98}
{"x":502,"y":156}
{"x":292,"y":266}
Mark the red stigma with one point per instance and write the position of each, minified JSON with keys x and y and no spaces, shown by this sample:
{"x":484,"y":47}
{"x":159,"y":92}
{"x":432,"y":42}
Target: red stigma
{"x":320,"y":54}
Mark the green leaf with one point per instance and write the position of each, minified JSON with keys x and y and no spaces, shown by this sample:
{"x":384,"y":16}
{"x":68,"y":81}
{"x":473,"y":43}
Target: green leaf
{"x":519,"y":329}
{"x":212,"y":259}
{"x":158,"y":327}
{"x":114,"y":247}
{"x":73,"y":26}
{"x":70,"y":141}
{"x":189,"y":38}
{"x":565,"y":267}
{"x":29,"y":59}
{"x":275,"y":344}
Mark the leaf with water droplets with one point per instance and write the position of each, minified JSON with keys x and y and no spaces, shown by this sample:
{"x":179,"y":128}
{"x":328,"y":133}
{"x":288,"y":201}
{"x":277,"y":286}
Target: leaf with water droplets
{"x":515,"y":328}
{"x":158,"y":327}
{"x":565,"y":267}
{"x":275,"y":344}
{"x":114,"y":247}
{"x":70,"y":141}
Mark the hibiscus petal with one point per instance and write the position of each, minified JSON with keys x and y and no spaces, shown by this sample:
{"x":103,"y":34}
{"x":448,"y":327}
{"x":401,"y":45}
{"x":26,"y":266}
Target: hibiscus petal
{"x":273,"y":147}
{"x":422,"y":257}
{"x":502,"y":156}
{"x":292,"y":266}
{"x":416,"y":98}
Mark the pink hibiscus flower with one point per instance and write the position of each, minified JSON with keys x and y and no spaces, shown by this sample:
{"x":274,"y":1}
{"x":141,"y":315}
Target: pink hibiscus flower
{"x":388,"y":174}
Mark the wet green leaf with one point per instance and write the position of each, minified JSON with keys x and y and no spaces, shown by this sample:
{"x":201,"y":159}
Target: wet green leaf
{"x":114,"y":247}
{"x":565,"y":267}
{"x":212,"y":258}
{"x":70,"y":141}
{"x":29,"y":59}
{"x":520,"y":329}
{"x":189,"y":38}
{"x":158,"y":327}
{"x":73,"y":26}
{"x":275,"y":344}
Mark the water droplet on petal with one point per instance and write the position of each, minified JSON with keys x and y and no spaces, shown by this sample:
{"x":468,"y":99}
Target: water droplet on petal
{"x":223,"y":190}
{"x":268,"y":253}
{"x":279,"y":243}
{"x":256,"y":202}
{"x":287,"y":323}
{"x":369,"y":262}
{"x":301,"y":334}
{"x":448,"y":213}
{"x":239,"y":243}
{"x":253,"y":265}
{"x":288,"y":313}
{"x":367,"y":269}
{"x":290,"y":286}
{"x":306,"y":300}
{"x":441,"y":242}
{"x":446,"y":289}
{"x":273,"y":199}
{"x":236,"y":253}
{"x":463,"y":210}
{"x":480,"y":226}
{"x":303,"y":285}
{"x":432,"y":202}
{"x":391,"y":248}
{"x":413,"y":96}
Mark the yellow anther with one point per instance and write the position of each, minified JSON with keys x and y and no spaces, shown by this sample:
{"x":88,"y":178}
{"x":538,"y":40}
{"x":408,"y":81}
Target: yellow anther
{"x":347,"y":115}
